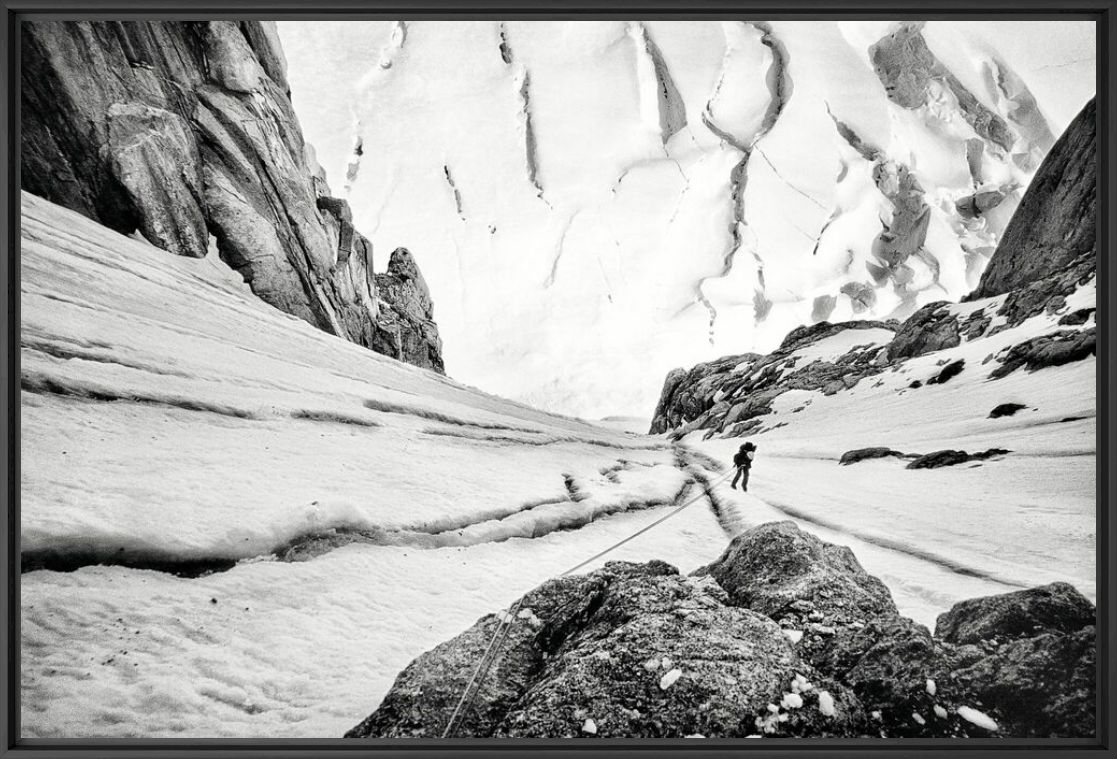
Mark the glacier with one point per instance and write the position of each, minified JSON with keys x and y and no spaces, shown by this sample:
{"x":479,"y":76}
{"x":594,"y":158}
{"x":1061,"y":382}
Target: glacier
{"x":595,"y":203}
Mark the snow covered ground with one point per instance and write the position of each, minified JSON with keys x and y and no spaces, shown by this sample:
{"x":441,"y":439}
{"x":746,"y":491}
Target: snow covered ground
{"x":170,"y":417}
{"x":579,"y":198}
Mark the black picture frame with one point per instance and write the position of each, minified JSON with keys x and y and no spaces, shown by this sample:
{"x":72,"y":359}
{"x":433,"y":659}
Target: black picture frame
{"x":1104,"y":12}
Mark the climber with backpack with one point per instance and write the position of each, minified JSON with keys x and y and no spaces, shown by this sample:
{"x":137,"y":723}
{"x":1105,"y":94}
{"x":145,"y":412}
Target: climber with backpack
{"x":742,"y":459}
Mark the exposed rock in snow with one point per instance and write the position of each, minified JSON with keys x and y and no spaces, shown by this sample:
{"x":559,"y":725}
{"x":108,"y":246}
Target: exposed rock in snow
{"x":728,"y":394}
{"x":949,"y":372}
{"x":864,"y":454}
{"x":1054,"y":349}
{"x":1005,"y":410}
{"x":183,"y":130}
{"x":881,"y":672}
{"x":932,"y":328}
{"x":938,"y":459}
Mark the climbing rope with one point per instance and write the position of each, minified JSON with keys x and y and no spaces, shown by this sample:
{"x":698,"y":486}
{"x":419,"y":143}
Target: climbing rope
{"x":500,"y":634}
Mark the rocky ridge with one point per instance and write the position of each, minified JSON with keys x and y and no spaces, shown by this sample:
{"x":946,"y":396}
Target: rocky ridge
{"x":184,"y":133}
{"x":1049,"y":253}
{"x":784,"y":635}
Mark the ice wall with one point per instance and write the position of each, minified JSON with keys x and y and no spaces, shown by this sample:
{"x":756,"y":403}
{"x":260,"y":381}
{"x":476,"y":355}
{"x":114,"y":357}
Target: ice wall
{"x":598,"y":202}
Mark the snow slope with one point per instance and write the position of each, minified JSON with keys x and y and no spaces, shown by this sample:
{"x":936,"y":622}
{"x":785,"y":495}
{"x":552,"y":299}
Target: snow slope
{"x":170,"y":419}
{"x":602,"y":200}
{"x":355,"y":511}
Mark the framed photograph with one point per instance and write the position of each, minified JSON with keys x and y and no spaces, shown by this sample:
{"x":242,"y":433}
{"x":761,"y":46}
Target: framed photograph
{"x":646,"y":378}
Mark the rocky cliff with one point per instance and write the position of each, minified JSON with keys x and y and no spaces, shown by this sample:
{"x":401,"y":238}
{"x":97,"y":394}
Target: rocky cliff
{"x":184,"y":132}
{"x":784,"y":635}
{"x":1056,"y":223}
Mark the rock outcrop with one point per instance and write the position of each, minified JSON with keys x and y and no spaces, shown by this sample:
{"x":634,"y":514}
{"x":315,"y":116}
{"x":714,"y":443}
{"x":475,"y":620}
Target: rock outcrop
{"x":184,"y":132}
{"x":1056,"y":222}
{"x":784,"y":635}
{"x":407,"y":328}
{"x":729,"y":394}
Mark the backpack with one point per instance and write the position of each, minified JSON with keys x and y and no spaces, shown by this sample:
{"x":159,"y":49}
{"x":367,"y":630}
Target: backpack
{"x":741,"y":458}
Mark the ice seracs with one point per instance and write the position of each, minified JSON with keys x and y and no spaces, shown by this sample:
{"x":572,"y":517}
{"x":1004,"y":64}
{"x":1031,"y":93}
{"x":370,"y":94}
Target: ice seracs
{"x":684,"y":190}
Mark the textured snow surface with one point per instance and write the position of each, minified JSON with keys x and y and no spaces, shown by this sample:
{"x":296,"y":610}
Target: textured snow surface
{"x":600,"y":202}
{"x":167,"y":414}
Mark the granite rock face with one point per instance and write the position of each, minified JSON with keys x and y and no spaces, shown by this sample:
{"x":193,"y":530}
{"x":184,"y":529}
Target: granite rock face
{"x":407,"y":328}
{"x":184,"y":132}
{"x":1056,"y":222}
{"x":784,"y":635}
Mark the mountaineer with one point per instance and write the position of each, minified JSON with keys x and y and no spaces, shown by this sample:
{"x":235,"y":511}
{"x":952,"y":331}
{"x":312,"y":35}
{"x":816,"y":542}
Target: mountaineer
{"x":742,"y":459}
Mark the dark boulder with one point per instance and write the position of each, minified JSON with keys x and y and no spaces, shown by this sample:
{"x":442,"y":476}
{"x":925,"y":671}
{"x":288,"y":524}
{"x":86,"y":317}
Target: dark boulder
{"x":863,"y":454}
{"x":1054,"y":349}
{"x":939,"y":459}
{"x":1057,"y":607}
{"x":1006,"y":409}
{"x":778,"y":569}
{"x":948,"y":372}
{"x":931,"y":328}
{"x":1081,"y":316}
{"x":948,"y":457}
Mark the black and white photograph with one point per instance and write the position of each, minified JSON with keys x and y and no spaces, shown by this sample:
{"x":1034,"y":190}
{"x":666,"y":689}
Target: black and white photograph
{"x":576,"y":378}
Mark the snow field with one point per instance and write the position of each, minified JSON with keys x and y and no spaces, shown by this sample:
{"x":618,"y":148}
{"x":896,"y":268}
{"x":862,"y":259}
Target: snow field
{"x":169,"y":416}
